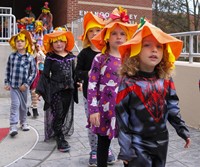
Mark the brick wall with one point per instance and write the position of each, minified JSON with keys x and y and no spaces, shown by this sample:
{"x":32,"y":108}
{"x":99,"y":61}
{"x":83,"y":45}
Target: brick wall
{"x":65,"y":11}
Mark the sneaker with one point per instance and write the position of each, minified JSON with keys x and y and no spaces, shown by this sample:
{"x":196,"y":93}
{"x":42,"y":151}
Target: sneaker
{"x":111,"y":157}
{"x":93,"y":158}
{"x":25,"y":127}
{"x":62,"y":145}
{"x":13,"y":130}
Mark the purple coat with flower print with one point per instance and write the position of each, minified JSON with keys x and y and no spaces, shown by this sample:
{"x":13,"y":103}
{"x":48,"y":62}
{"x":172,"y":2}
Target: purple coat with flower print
{"x":102,"y":91}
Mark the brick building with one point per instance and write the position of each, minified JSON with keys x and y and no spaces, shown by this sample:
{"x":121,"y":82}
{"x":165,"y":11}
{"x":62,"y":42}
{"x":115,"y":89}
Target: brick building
{"x":75,"y":9}
{"x":65,"y":11}
{"x":70,"y":12}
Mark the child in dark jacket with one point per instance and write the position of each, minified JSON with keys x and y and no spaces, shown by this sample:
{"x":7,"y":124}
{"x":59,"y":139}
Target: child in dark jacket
{"x":92,"y":25}
{"x":56,"y":86}
{"x":147,"y":97}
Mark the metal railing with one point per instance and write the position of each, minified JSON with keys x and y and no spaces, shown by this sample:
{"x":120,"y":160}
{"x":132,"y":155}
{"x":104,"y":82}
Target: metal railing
{"x":7,"y":24}
{"x":7,"y":27}
{"x":191,"y":45}
{"x":5,"y":10}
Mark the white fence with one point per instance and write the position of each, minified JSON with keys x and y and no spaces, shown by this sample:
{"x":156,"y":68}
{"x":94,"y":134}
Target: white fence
{"x":7,"y":24}
{"x":191,"y":45}
{"x":5,"y":10}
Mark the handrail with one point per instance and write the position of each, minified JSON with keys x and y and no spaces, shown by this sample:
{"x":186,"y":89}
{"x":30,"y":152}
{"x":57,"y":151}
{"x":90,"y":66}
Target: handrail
{"x":5,"y":10}
{"x":191,"y":45}
{"x":7,"y":26}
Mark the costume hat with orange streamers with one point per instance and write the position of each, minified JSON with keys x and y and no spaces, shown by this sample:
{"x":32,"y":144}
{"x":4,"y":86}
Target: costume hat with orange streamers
{"x":59,"y":34}
{"x":117,"y":17}
{"x":133,"y":46}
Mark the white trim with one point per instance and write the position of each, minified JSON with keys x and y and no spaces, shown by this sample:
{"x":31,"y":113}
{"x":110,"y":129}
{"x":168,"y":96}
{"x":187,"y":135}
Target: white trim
{"x":37,"y":139}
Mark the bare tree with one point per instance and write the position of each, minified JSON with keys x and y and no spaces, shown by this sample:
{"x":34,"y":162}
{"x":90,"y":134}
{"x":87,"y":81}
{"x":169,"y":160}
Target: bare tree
{"x":176,"y":15}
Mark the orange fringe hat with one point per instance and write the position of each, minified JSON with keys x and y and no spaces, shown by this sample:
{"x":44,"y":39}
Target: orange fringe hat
{"x":91,"y":21}
{"x":133,"y":46}
{"x":59,"y":34}
{"x":117,"y":17}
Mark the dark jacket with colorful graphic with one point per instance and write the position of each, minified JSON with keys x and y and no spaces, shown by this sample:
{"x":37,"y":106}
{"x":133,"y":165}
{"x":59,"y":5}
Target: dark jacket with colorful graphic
{"x":144,"y":105}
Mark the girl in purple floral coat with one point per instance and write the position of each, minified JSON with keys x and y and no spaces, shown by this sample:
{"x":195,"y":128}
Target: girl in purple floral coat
{"x":103,"y":80}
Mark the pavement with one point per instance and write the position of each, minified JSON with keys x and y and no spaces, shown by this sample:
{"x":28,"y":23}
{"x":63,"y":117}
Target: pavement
{"x":28,"y":149}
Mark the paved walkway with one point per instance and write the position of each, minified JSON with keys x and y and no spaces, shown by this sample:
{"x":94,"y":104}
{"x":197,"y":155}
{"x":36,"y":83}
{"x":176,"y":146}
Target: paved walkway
{"x":28,"y":149}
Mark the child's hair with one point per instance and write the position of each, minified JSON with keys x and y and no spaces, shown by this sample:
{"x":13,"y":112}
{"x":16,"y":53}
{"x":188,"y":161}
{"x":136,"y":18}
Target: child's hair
{"x":130,"y":66}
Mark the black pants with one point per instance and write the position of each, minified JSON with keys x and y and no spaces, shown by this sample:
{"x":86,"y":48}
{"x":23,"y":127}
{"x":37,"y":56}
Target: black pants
{"x":61,"y":103}
{"x":102,"y":150}
{"x":151,"y":152}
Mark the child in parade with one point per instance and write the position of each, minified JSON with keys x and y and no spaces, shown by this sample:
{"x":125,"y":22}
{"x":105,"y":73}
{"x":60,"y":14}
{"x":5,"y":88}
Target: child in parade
{"x":39,"y":58}
{"x":56,"y":86}
{"x":30,"y":19}
{"x":38,"y":33}
{"x":47,"y":18}
{"x":104,"y":80}
{"x":29,"y":12}
{"x":147,"y":97}
{"x":20,"y":73}
{"x":92,"y":25}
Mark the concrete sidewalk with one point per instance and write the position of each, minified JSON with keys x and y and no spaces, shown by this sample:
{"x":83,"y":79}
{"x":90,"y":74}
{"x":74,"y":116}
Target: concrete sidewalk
{"x":28,"y":149}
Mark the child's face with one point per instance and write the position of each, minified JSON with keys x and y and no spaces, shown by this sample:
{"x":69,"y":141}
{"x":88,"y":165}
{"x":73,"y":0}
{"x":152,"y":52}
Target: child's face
{"x":92,"y":32}
{"x":151,"y":54}
{"x":59,"y":46}
{"x":20,"y":44}
{"x":117,"y":37}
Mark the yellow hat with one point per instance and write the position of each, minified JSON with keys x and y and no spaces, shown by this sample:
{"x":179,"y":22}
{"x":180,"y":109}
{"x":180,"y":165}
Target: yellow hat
{"x":117,"y":17}
{"x":59,"y":34}
{"x":39,"y":26}
{"x":23,"y":35}
{"x":173,"y":45}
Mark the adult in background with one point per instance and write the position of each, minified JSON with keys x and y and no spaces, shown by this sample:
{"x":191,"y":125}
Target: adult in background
{"x":47,"y":18}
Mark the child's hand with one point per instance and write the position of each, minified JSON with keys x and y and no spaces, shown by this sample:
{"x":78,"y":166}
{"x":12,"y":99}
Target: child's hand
{"x":95,"y":119}
{"x":22,"y":88}
{"x":125,"y":162}
{"x":7,"y":87}
{"x":80,"y":86}
{"x":38,"y":97}
{"x":89,"y":73}
{"x":188,"y":143}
